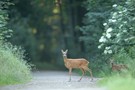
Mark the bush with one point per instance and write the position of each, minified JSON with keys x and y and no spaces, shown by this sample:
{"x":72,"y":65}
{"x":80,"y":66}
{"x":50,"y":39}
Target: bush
{"x":13,"y":68}
{"x":123,"y":80}
{"x":118,"y":83}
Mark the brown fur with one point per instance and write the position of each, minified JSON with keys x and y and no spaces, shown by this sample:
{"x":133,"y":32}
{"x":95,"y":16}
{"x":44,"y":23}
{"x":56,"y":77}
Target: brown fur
{"x":80,"y":63}
{"x":117,"y":67}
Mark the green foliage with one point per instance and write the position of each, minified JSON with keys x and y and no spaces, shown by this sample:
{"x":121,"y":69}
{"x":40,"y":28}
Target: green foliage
{"x":43,"y":29}
{"x":118,"y":40}
{"x":125,"y":58}
{"x":93,"y":26}
{"x":97,"y":12}
{"x":123,"y":80}
{"x":119,"y":29}
{"x":4,"y":31}
{"x":118,"y":83}
{"x":23,"y":33}
{"x":13,"y":67}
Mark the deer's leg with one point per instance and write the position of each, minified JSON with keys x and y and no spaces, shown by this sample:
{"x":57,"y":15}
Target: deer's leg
{"x":90,"y":74}
{"x":90,"y":71}
{"x":83,"y":72}
{"x":70,"y":72}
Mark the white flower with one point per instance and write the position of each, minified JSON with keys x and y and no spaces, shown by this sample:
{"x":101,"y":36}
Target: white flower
{"x":102,"y":39}
{"x":125,"y":22}
{"x":105,"y":24}
{"x":115,"y":5}
{"x":113,"y":17}
{"x":120,"y":12}
{"x":105,"y":51}
{"x":113,"y":20}
{"x":110,"y":20}
{"x":100,"y":46}
{"x":107,"y":48}
{"x":108,"y":35}
{"x":124,"y":31}
{"x":109,"y":51}
{"x":118,"y":35}
{"x":109,"y":30}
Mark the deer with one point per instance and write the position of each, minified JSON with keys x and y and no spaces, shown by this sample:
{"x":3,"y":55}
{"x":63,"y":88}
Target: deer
{"x":117,"y":67}
{"x":79,"y":63}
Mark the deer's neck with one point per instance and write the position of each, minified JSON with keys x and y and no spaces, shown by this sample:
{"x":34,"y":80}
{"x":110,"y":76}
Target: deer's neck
{"x":112,"y":64}
{"x":65,"y":58}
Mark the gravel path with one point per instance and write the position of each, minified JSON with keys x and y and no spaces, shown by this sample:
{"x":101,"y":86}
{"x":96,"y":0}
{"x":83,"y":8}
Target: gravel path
{"x":55,"y":80}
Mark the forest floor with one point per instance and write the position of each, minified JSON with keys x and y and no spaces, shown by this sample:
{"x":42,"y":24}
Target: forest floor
{"x":55,"y":80}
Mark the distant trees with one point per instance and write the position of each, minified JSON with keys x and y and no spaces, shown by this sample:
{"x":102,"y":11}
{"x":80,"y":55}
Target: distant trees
{"x":44,"y":28}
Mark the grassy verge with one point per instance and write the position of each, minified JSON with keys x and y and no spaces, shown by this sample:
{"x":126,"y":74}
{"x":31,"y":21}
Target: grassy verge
{"x":118,"y":83}
{"x":124,"y":80}
{"x":13,"y":68}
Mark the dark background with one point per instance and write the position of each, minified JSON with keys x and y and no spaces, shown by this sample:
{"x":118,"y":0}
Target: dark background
{"x":44,"y":27}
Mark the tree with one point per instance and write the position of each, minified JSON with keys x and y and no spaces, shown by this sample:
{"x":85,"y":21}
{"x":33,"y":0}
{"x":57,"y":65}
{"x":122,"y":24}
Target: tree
{"x":5,"y":32}
{"x":118,"y":39}
{"x":45,"y":28}
{"x":98,"y":12}
{"x":119,"y":29}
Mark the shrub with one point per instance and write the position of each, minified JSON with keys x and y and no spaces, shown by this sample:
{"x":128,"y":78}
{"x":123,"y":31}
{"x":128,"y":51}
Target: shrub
{"x":13,"y":68}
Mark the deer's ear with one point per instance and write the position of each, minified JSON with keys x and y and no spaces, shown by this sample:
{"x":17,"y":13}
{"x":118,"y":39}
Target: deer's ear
{"x":66,"y":51}
{"x":62,"y":51}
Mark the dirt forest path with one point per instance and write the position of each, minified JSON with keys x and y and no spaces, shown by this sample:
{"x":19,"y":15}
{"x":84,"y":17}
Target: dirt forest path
{"x":55,"y":80}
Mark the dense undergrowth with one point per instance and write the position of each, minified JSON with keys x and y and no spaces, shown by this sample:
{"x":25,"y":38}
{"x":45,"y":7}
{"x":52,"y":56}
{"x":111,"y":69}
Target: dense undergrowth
{"x":13,"y":68}
{"x":123,"y":80}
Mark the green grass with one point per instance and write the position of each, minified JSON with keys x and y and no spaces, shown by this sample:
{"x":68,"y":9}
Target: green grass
{"x":124,"y":80}
{"x":118,"y":83}
{"x":13,"y":68}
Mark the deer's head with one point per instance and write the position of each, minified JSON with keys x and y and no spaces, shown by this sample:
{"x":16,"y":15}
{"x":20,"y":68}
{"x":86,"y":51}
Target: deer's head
{"x":111,"y":61}
{"x":64,"y":53}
